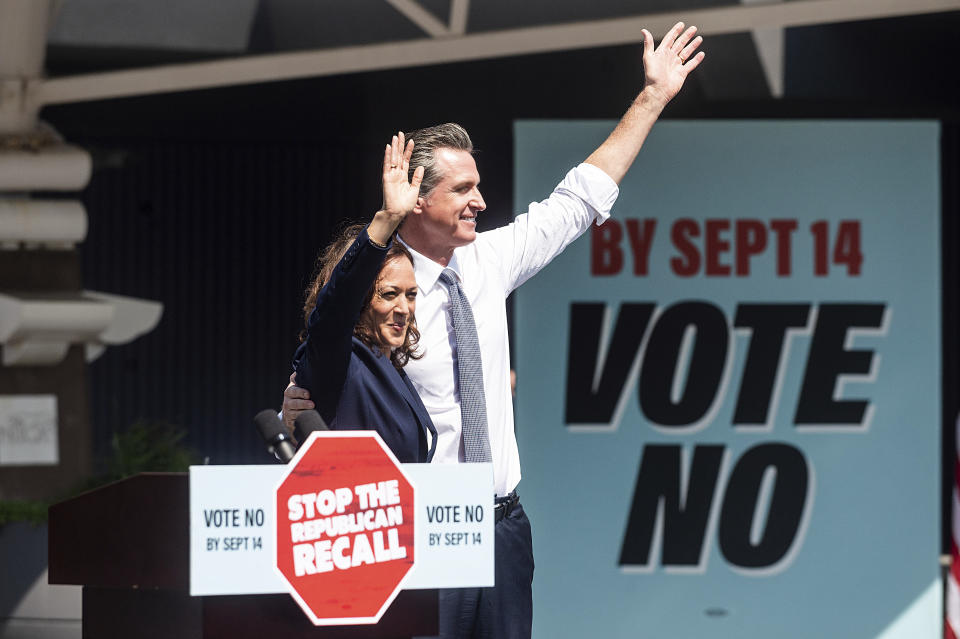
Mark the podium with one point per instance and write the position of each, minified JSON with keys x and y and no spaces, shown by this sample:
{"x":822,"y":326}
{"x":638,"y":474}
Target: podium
{"x":128,"y":545}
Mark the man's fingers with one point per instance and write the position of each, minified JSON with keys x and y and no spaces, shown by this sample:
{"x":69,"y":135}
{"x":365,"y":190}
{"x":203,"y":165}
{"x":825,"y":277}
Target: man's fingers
{"x":693,"y":63}
{"x":386,"y":167}
{"x":671,"y":37}
{"x":647,"y":42}
{"x":296,"y":399}
{"x":684,"y":38}
{"x":295,"y":392}
{"x":690,"y":48}
{"x":291,"y":405}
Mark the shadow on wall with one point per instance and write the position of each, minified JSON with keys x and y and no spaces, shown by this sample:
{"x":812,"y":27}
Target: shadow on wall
{"x":29,"y":607}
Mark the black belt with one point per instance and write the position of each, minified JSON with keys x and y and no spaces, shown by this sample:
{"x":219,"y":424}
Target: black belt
{"x":503,"y":506}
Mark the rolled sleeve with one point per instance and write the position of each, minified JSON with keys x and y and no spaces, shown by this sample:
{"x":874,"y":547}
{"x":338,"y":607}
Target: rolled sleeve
{"x":522,"y":248}
{"x":592,"y":185}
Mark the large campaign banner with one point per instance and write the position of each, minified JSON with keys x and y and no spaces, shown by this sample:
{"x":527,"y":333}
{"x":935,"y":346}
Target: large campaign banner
{"x":728,"y":397}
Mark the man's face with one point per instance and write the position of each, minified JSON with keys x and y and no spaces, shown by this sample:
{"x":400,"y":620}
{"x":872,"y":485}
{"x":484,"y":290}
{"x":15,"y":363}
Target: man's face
{"x":450,"y":210}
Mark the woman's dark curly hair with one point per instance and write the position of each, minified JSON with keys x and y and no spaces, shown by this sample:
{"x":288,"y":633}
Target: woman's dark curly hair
{"x":327,"y":261}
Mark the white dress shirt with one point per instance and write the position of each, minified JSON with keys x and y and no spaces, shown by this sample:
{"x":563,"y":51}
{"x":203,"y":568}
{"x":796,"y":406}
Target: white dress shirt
{"x":490,"y":269}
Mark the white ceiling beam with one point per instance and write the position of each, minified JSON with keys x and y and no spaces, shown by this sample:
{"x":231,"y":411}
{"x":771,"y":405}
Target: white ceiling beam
{"x":287,"y":66}
{"x":420,"y":17}
{"x":459,"y":10}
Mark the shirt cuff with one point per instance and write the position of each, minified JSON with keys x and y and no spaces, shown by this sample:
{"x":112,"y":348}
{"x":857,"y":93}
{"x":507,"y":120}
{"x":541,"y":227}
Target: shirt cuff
{"x":591,"y":184}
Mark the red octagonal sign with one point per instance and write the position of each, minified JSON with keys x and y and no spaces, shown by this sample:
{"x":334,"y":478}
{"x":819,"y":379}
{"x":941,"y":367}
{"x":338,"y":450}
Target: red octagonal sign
{"x":344,"y":527}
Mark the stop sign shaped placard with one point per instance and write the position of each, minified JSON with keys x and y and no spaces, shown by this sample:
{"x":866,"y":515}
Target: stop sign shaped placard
{"x":345,"y":537}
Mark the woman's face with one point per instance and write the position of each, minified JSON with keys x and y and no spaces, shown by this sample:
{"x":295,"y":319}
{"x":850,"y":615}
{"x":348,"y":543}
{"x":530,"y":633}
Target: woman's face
{"x":394,"y":299}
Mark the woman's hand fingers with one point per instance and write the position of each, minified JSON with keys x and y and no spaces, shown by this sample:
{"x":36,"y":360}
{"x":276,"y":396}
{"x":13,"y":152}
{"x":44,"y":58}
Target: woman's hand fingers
{"x":400,"y":192}
{"x":407,"y":154}
{"x":417,"y":178}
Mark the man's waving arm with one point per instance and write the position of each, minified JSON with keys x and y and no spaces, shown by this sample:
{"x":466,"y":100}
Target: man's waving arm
{"x":588,"y":192}
{"x":665,"y":69}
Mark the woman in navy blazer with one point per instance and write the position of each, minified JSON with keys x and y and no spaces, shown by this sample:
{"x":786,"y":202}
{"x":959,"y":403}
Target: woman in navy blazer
{"x":360,"y":327}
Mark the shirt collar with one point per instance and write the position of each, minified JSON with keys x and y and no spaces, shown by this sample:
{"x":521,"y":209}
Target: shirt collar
{"x":427,"y":271}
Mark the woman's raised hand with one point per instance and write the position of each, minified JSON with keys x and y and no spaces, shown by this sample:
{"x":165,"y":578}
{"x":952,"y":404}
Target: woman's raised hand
{"x":399,"y":195}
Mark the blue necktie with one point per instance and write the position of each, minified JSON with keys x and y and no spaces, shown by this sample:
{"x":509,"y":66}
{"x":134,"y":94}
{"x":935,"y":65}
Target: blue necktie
{"x":473,"y":403}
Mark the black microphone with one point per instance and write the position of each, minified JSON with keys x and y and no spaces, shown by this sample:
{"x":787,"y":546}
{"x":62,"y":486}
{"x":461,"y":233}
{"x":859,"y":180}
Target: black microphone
{"x":279,"y":442}
{"x":307,"y":422}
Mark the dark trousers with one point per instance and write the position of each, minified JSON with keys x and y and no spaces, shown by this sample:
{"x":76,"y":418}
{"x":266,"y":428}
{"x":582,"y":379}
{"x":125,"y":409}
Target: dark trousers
{"x":506,"y":610}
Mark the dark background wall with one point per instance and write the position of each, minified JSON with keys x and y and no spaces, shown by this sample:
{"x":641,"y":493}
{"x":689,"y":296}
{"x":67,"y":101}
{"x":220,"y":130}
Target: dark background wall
{"x":216,"y":202}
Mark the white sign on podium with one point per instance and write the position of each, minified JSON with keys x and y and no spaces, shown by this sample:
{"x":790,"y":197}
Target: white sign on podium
{"x":233,"y":528}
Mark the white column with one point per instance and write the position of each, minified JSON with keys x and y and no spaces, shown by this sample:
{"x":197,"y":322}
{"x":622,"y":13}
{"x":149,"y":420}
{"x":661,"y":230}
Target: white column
{"x":23,"y":41}
{"x":53,"y":224}
{"x":37,"y":328}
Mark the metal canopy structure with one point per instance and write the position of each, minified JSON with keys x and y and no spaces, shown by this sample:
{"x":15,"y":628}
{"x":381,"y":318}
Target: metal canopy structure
{"x":275,"y":40}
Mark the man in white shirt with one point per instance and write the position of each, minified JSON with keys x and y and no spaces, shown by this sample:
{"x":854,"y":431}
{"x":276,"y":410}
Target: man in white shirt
{"x":441,"y":235}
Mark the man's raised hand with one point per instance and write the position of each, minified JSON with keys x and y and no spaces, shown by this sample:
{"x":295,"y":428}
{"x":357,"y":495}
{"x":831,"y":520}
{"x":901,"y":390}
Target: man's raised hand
{"x":666,"y":66}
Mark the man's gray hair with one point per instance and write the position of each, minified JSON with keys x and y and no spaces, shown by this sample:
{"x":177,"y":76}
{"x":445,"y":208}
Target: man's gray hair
{"x":427,"y":141}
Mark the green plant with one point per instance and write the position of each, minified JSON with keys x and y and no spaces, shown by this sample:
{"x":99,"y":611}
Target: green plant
{"x":32,"y":512}
{"x":146,"y":446}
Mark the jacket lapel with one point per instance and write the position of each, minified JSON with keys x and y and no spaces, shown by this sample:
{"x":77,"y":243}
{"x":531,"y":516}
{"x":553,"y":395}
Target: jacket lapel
{"x":413,"y":399}
{"x":402,"y":386}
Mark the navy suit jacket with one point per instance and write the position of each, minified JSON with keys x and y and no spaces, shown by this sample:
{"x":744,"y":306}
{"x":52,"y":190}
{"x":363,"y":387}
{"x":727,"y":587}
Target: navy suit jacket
{"x":353,"y":386}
